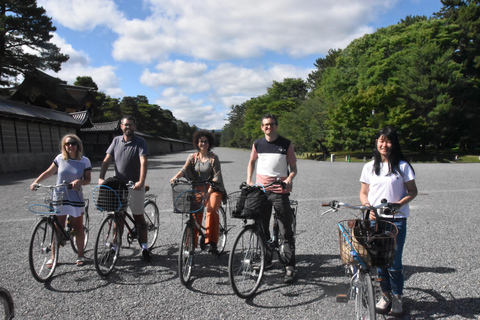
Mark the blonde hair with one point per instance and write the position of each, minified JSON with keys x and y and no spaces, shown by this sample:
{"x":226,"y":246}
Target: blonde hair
{"x":78,"y":155}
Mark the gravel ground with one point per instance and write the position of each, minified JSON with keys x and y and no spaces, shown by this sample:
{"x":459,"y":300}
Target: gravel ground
{"x":441,"y":275}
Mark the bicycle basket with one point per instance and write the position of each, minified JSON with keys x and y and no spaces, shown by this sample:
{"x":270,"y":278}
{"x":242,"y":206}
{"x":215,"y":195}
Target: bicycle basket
{"x":247,"y":204}
{"x":375,"y":246}
{"x":45,"y":202}
{"x":107,"y":199}
{"x":186,"y":199}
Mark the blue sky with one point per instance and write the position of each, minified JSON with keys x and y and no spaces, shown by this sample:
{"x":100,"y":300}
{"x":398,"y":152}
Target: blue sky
{"x":197,"y":58}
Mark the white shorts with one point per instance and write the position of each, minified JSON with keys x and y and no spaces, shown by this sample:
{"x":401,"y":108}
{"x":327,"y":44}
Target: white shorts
{"x":136,"y":198}
{"x":74,"y":212}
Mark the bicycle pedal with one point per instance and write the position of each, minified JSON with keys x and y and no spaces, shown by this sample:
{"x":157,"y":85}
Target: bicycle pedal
{"x":343,"y":298}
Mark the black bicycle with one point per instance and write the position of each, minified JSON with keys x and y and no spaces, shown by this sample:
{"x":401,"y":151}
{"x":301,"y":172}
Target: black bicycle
{"x":189,"y":200}
{"x":109,"y":238}
{"x":7,"y":310}
{"x":247,"y":260}
{"x":48,"y":234}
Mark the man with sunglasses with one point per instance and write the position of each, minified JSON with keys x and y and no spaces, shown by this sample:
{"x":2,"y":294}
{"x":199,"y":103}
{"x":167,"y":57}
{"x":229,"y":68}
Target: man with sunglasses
{"x":276,"y":159}
{"x":129,"y":152}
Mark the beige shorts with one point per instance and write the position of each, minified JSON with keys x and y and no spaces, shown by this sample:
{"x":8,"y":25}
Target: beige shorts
{"x":136,"y":201}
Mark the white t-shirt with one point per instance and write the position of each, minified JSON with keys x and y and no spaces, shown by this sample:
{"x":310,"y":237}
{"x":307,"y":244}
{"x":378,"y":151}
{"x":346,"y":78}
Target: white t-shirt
{"x":384,"y":186}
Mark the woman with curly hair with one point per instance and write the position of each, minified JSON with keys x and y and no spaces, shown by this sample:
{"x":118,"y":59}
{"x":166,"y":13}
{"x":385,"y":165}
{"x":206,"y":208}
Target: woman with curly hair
{"x":203,"y":166}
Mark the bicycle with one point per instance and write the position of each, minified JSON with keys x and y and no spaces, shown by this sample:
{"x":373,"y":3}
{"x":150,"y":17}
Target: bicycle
{"x":246,"y":263}
{"x":189,"y":200}
{"x":365,"y":245}
{"x":48,"y":234}
{"x":109,"y":239}
{"x":6,"y":305}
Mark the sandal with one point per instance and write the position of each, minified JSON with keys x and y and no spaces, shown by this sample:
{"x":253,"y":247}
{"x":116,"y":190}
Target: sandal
{"x":49,"y":264}
{"x":80,"y":261}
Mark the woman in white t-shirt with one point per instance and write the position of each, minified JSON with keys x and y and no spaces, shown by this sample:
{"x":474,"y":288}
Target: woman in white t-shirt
{"x":75,"y":169}
{"x":390,"y":176}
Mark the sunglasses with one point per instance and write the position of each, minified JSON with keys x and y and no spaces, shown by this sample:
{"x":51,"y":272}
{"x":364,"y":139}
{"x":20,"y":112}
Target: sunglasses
{"x":203,"y":141}
{"x":71,"y":143}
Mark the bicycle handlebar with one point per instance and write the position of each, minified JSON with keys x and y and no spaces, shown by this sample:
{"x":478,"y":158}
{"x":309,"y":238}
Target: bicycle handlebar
{"x":387,"y":208}
{"x":258,"y":185}
{"x":53,"y":186}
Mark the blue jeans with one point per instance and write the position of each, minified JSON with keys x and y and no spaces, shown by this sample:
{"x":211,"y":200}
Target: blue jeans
{"x":392,"y":279}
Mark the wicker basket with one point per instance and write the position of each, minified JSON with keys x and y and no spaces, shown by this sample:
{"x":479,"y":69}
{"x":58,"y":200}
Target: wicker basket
{"x":376,"y":249}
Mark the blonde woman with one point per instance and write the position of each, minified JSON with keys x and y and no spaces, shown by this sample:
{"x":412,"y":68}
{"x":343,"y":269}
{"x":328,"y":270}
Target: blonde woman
{"x":75,"y":169}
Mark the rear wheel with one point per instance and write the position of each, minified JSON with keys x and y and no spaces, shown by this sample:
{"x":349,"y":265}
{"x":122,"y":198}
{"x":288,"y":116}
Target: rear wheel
{"x":185,"y":255}
{"x":43,"y":250}
{"x":152,"y":219}
{"x":246,"y":262}
{"x":222,"y":234}
{"x":107,"y":246}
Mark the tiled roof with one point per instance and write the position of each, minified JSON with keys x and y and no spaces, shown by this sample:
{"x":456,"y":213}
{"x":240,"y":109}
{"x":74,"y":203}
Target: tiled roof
{"x":15,"y":109}
{"x":103,"y":126}
{"x":83,"y":118}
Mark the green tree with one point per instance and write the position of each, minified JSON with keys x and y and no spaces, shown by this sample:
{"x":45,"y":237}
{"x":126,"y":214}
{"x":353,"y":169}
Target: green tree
{"x":25,"y":32}
{"x":86,"y":81}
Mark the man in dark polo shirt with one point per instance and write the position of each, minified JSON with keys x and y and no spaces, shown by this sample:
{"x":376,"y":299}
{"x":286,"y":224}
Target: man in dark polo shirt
{"x":275,"y":159}
{"x":129,"y":152}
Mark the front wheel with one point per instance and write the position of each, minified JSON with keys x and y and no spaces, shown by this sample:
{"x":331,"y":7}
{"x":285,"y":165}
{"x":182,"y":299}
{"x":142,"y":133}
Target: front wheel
{"x":246,"y":262}
{"x":222,"y":233}
{"x":186,"y":253}
{"x":365,"y":297}
{"x":6,"y":305}
{"x":107,"y":246}
{"x":43,"y":250}
{"x":152,"y":219}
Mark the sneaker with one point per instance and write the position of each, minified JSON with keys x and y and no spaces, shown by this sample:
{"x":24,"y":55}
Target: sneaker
{"x":147,"y":257}
{"x":211,"y":248}
{"x":397,"y":305}
{"x":289,"y":274}
{"x":383,"y":306}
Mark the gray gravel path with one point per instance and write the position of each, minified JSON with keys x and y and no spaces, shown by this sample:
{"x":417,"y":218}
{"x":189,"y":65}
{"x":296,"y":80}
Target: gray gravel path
{"x":441,"y":255}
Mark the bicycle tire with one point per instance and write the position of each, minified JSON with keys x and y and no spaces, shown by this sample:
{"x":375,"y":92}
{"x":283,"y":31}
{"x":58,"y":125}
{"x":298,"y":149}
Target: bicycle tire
{"x":86,"y":230}
{"x":186,"y":253}
{"x":43,"y":242}
{"x":6,"y":305}
{"x":365,"y":298}
{"x":246,"y":262}
{"x":152,"y":219}
{"x":105,"y":256}
{"x":222,"y":231}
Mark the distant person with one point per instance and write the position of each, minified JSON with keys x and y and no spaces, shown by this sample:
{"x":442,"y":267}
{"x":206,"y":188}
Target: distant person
{"x":276,"y":159}
{"x":129,"y":152}
{"x":202,"y":166}
{"x":75,"y":169}
{"x":390,"y":176}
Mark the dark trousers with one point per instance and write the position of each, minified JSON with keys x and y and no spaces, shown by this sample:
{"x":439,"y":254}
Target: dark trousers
{"x":281,"y":204}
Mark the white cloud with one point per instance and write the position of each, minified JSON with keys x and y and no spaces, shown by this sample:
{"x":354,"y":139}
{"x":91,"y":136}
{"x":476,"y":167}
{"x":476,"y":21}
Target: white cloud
{"x":83,"y":15}
{"x":226,"y":85}
{"x":79,"y":65}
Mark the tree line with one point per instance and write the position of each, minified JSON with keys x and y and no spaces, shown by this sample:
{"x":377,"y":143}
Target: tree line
{"x":420,"y":75}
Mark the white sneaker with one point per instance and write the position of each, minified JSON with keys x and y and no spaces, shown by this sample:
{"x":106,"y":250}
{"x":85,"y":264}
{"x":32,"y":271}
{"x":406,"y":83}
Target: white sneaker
{"x":397,"y":305}
{"x":383,"y":306}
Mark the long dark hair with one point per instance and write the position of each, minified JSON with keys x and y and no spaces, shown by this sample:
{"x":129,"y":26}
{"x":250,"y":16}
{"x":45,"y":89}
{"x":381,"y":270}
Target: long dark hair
{"x":394,"y":155}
